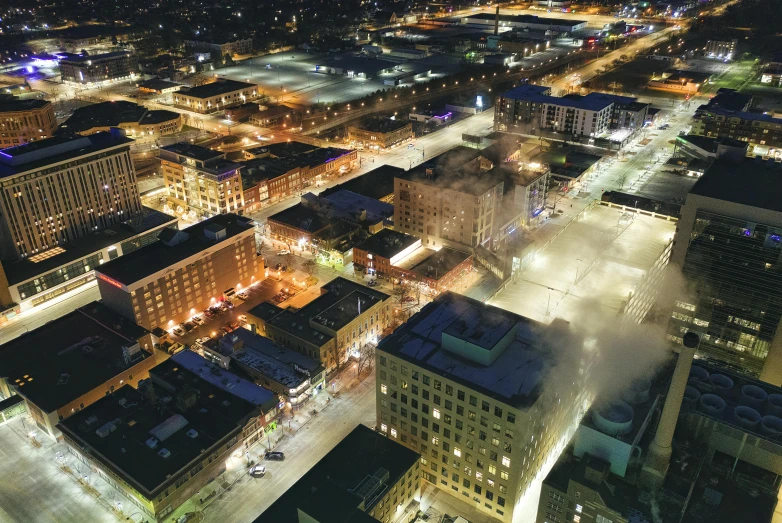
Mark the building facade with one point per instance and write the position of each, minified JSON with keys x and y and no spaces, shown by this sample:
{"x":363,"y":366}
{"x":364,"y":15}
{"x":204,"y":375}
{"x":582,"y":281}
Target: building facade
{"x":64,"y":188}
{"x":457,"y":384}
{"x":380,"y":133}
{"x":134,"y":119}
{"x":23,"y":121}
{"x":215,"y":96}
{"x":723,"y":49}
{"x":201,"y":180}
{"x":169,"y":281}
{"x":240,"y":46}
{"x":99,"y":68}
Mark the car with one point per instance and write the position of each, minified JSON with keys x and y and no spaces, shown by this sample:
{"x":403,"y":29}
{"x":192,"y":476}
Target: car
{"x":372,"y":283}
{"x":410,"y":145}
{"x":274,"y":456}
{"x":179,"y":331}
{"x":198,"y":320}
{"x":242,"y":296}
{"x":189,"y":326}
{"x":242,"y":318}
{"x":203,"y":339}
{"x":176,"y":348}
{"x":257,"y":471}
{"x":208,"y":313}
{"x":229,"y":304}
{"x":283,"y":252}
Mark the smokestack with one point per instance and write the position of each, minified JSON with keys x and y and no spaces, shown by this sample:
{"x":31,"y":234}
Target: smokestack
{"x":659,"y":455}
{"x":497,"y":20}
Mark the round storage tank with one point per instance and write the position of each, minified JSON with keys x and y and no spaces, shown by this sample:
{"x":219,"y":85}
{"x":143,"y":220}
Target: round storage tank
{"x":615,"y":418}
{"x":746,"y":417}
{"x":771,"y":425}
{"x":711,"y":404}
{"x":753,"y":396}
{"x":691,"y":396}
{"x":638,"y":391}
{"x":698,"y":373}
{"x":720,"y":383}
{"x":774,"y":405}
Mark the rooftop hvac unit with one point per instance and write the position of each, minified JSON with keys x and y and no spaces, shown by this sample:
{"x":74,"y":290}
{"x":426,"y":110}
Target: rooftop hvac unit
{"x":746,"y":417}
{"x":164,"y":453}
{"x":720,"y":383}
{"x":711,"y":404}
{"x":771,"y":426}
{"x":151,"y":443}
{"x":753,"y":396}
{"x":774,"y":405}
{"x":192,"y":433}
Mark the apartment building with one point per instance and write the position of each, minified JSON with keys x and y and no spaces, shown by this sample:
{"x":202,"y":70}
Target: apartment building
{"x":63,"y":188}
{"x":168,"y":281}
{"x":330,"y":329}
{"x":728,"y":115}
{"x":73,"y":361}
{"x":201,"y":180}
{"x":466,"y":386}
{"x":380,"y":133}
{"x":161,"y":444}
{"x":136,"y":120}
{"x":99,"y":68}
{"x":230,"y":48}
{"x":530,"y":109}
{"x":215,"y":96}
{"x":23,"y":121}
{"x":727,"y":246}
{"x":365,"y":478}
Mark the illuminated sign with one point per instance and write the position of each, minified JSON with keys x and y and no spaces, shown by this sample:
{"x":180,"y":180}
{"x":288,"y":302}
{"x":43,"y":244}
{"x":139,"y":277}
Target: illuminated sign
{"x":110,"y":281}
{"x":479,"y":101}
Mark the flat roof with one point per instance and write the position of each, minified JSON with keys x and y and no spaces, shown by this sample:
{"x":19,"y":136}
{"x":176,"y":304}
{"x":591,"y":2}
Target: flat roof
{"x":301,"y":217}
{"x":751,"y":182}
{"x":593,"y":101}
{"x":217,"y":88}
{"x":359,"y":64}
{"x":527,"y":19}
{"x":158,"y":84}
{"x":439,"y":263}
{"x":516,"y":377}
{"x":381,"y":125}
{"x":38,"y":154}
{"x":159,"y":255}
{"x":148,"y":219}
{"x":196,"y":152}
{"x":456,"y":170}
{"x":96,"y":57}
{"x":387,"y":243}
{"x":16,"y":104}
{"x":283,"y":365}
{"x":351,"y":202}
{"x":377,"y":183}
{"x":112,"y":114}
{"x":70,"y":356}
{"x":331,"y":490}
{"x":288,"y":149}
{"x":188,"y":429}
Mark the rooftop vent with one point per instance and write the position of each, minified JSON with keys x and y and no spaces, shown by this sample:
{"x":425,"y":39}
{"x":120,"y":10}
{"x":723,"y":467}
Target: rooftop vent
{"x":92,"y":420}
{"x":192,"y":433}
{"x":151,"y":443}
{"x":63,"y":378}
{"x":164,"y":453}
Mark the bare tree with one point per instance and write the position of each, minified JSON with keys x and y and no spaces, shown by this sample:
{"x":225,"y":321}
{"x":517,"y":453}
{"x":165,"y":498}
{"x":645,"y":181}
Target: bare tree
{"x":309,"y":267}
{"x":366,"y":357}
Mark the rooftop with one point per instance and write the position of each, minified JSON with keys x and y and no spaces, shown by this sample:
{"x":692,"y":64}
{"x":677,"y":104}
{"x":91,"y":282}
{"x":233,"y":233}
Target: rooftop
{"x":752,"y":182}
{"x":285,"y":366}
{"x":377,"y":183}
{"x":333,"y":492}
{"x":160,"y":255}
{"x":190,"y":419}
{"x":158,"y":84}
{"x":439,"y":263}
{"x":216,"y":88}
{"x":387,"y":243}
{"x":96,"y":57}
{"x":66,"y":358}
{"x":16,"y":104}
{"x":288,"y":149}
{"x":41,"y":153}
{"x":301,"y":217}
{"x":350,"y":202}
{"x":381,"y":125}
{"x":360,"y":64}
{"x":148,"y":219}
{"x":730,"y":100}
{"x":113,"y":114}
{"x":527,"y":19}
{"x":461,"y":169}
{"x":593,"y":101}
{"x":196,"y":152}
{"x":515,"y":377}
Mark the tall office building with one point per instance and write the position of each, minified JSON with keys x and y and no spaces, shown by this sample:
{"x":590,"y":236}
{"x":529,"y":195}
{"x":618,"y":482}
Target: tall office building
{"x":63,"y":188}
{"x":728,"y":245}
{"x":99,"y":68}
{"x":201,"y":180}
{"x":471,"y":388}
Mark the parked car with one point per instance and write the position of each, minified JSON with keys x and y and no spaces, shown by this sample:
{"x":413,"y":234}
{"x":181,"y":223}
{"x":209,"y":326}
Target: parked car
{"x":176,"y":348}
{"x":189,"y":326}
{"x":242,"y":296}
{"x":179,"y":331}
{"x":203,"y":339}
{"x":208,"y":313}
{"x":274,"y":456}
{"x":257,"y":471}
{"x":372,"y":283}
{"x":229,"y":304}
{"x":242,"y":318}
{"x":198,"y":320}
{"x":283,"y":252}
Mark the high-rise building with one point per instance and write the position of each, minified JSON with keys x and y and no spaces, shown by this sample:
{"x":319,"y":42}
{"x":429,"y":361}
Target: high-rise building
{"x":470,"y":388}
{"x":23,"y":121}
{"x":727,"y":246}
{"x":99,"y":68}
{"x":63,"y":188}
{"x":201,"y":180}
{"x":168,"y":281}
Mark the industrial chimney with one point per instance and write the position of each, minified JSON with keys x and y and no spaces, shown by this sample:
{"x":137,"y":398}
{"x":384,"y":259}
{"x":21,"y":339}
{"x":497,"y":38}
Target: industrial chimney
{"x":659,"y":455}
{"x":497,"y":20}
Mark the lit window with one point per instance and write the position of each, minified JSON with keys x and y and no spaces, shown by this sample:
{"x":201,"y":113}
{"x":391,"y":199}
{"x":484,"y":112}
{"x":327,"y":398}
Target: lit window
{"x":578,"y":508}
{"x":436,"y":413}
{"x":457,"y":451}
{"x":383,"y":389}
{"x":393,"y":433}
{"x":505,"y":461}
{"x":478,"y":476}
{"x":383,"y":427}
{"x":576,"y":518}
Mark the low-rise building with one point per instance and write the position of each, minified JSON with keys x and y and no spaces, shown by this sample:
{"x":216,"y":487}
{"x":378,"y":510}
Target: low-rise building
{"x":676,"y":80}
{"x":136,"y":120}
{"x":230,"y":48}
{"x":275,"y":116}
{"x":23,"y":121}
{"x":722,"y":49}
{"x":365,"y":478}
{"x":99,"y":68}
{"x":158,"y":86}
{"x":294,"y":377}
{"x":201,"y":180}
{"x":380,"y":253}
{"x":159,"y":445}
{"x":215,"y":96}
{"x":377,"y":184}
{"x":331,"y":328}
{"x":297,"y":225}
{"x":380,"y":133}
{"x":728,"y":115}
{"x":66,"y":365}
{"x":530,"y":22}
{"x":166,"y":282}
